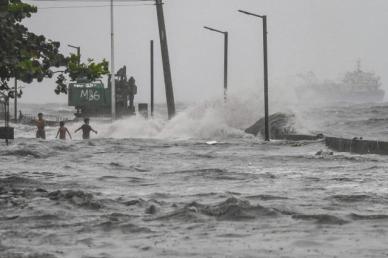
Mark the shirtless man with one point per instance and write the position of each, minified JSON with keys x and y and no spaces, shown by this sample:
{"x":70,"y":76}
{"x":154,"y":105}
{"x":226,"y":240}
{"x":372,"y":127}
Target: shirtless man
{"x":40,"y":124}
{"x":86,"y":128}
{"x":62,"y":131}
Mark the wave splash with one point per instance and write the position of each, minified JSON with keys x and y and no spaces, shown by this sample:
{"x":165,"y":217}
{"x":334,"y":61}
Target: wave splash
{"x":209,"y":120}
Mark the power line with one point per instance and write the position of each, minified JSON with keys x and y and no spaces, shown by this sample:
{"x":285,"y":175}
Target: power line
{"x":80,"y":1}
{"x":91,"y":6}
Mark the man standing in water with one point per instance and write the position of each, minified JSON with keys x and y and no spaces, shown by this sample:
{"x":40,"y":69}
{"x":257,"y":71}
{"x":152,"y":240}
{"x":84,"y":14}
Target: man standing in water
{"x":40,"y":124}
{"x":86,"y":128}
{"x":62,"y":131}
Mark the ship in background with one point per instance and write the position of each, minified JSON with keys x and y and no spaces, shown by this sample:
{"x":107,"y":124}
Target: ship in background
{"x":357,"y":86}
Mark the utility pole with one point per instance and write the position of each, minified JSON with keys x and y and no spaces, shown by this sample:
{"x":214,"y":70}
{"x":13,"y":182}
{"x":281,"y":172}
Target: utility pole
{"x":166,"y":60}
{"x":152,"y":77}
{"x":265,"y":51}
{"x":16,"y":101}
{"x":112,"y":62}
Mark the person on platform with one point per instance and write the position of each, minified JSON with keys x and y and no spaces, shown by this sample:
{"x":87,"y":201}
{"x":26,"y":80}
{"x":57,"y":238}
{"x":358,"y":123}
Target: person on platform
{"x":40,"y":124}
{"x":132,"y":93}
{"x":20,"y":115}
{"x":86,"y":129}
{"x":62,"y":131}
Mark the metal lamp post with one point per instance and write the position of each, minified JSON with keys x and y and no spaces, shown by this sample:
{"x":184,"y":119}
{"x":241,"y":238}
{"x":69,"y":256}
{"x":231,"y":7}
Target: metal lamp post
{"x":152,"y":76}
{"x":226,"y":40}
{"x":265,"y":50}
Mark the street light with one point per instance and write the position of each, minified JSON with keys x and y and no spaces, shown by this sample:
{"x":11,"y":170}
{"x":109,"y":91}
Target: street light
{"x":78,"y":52}
{"x":265,"y":49}
{"x":226,"y":40}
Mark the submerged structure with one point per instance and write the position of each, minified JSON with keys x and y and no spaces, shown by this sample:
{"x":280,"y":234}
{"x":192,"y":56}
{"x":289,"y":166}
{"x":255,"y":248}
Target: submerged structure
{"x":357,"y":86}
{"x":94,"y":99}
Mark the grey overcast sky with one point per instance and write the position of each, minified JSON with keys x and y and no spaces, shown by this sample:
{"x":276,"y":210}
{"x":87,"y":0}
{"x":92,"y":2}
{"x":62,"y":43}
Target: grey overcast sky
{"x":323,"y":36}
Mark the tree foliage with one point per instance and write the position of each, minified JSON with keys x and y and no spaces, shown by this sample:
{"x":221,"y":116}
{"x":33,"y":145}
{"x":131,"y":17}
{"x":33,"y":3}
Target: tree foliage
{"x":28,"y":57}
{"x":77,"y":71}
{"x":89,"y":71}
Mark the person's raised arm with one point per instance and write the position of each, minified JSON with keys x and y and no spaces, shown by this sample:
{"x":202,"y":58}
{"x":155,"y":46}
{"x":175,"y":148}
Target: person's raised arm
{"x":78,"y":129}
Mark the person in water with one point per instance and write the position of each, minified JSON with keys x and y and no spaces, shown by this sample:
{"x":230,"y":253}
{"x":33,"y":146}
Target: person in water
{"x":62,"y":131}
{"x":20,"y":115}
{"x":40,"y":124}
{"x":86,"y":128}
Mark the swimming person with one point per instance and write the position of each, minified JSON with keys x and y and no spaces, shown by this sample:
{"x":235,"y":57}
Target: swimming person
{"x":86,"y":128}
{"x":62,"y":131}
{"x":40,"y":124}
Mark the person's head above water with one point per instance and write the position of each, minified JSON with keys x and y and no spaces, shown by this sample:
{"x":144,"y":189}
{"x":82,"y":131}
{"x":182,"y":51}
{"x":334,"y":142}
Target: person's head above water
{"x":86,"y":120}
{"x":61,"y":124}
{"x":40,"y":115}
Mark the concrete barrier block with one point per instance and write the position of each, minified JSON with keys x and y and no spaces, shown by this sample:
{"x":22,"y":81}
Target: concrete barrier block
{"x":7,"y":133}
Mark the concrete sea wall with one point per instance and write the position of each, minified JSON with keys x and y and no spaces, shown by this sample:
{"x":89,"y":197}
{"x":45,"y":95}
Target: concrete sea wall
{"x":358,"y":146}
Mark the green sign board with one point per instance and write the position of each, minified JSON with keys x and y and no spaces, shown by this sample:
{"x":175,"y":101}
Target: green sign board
{"x":88,"y":94}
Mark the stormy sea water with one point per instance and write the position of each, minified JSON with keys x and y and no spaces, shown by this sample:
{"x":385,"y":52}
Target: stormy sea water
{"x":157,"y":188}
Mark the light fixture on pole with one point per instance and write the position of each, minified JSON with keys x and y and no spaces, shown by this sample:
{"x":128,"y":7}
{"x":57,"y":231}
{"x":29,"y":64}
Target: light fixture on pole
{"x":226,"y":42}
{"x":265,"y":50}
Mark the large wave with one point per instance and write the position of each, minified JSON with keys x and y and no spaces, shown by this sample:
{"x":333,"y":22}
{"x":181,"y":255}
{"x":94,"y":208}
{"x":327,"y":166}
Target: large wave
{"x":206,"y":120}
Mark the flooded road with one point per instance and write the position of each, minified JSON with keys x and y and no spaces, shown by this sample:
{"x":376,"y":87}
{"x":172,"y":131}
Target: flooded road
{"x":163,"y":197}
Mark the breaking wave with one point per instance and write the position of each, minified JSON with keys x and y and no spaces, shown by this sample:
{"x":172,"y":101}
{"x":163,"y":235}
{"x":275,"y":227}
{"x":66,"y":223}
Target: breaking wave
{"x":78,"y":198}
{"x":209,"y":120}
{"x":232,"y":209}
{"x":355,"y":216}
{"x":321,"y":218}
{"x":352,"y":198}
{"x":215,"y":174}
{"x":31,"y":255}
